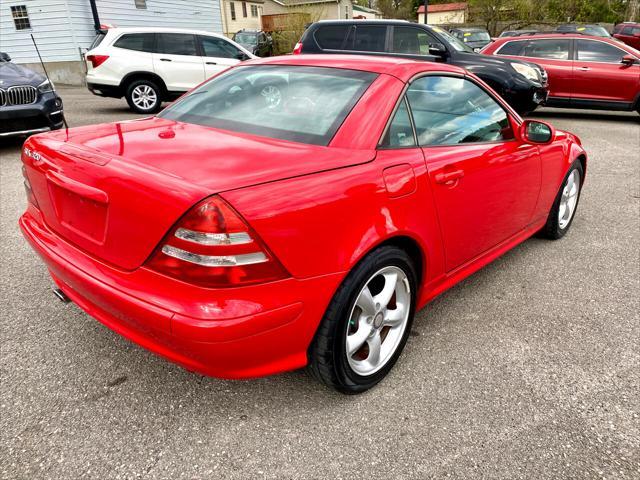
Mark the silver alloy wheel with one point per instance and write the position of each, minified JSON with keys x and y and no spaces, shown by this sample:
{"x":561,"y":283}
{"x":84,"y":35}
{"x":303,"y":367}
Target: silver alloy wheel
{"x":144,"y":97}
{"x":378,"y":320}
{"x":569,"y":199}
{"x":271,"y":95}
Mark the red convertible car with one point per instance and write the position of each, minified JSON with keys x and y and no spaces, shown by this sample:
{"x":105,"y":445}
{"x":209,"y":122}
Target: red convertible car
{"x":294,"y":211}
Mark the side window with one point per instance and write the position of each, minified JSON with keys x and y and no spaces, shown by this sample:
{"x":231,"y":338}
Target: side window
{"x":556,"y":49}
{"x":408,"y":40}
{"x":140,"y":42}
{"x":331,"y":37}
{"x":218,"y":47}
{"x":176,"y":44}
{"x":367,"y":38}
{"x":594,"y":51}
{"x":454,"y":111}
{"x":400,"y":132}
{"x":512,"y":48}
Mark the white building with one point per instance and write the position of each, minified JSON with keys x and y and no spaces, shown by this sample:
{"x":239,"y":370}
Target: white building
{"x":63,"y":29}
{"x":445,"y":13}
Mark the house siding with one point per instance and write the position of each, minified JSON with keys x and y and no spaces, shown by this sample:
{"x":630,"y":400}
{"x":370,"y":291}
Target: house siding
{"x":50,"y":27}
{"x":241,"y":22}
{"x":63,"y":29}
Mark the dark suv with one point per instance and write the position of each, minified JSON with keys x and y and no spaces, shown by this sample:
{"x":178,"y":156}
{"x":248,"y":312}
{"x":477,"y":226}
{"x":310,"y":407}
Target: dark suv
{"x":28,"y":101}
{"x":522,"y":84}
{"x":258,"y":43}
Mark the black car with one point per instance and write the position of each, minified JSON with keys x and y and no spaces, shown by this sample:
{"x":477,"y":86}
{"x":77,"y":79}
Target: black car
{"x":593,"y":30}
{"x":476,"y":38}
{"x":28,"y":101}
{"x":523,"y":85}
{"x":258,"y":43}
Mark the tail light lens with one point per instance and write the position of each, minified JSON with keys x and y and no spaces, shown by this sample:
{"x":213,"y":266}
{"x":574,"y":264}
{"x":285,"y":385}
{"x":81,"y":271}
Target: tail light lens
{"x":97,"y":60}
{"x":297,"y":50}
{"x":212,"y":246}
{"x":27,"y":186}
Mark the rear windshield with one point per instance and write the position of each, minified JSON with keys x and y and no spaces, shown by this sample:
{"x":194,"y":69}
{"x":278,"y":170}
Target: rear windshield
{"x":97,"y":40}
{"x":300,"y":104}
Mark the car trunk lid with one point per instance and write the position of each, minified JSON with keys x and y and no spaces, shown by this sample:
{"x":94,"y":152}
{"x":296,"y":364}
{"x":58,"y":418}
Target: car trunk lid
{"x":115,"y":190}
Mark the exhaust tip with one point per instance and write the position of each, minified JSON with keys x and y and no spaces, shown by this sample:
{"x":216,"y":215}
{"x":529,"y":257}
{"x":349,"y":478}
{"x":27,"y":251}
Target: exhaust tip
{"x":61,"y":295}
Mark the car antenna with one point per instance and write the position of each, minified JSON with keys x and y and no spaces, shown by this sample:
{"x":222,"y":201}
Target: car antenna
{"x":64,"y":120}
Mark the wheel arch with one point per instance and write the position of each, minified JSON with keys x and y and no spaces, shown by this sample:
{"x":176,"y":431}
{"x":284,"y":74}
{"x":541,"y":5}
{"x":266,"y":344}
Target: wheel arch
{"x":143,"y":75}
{"x":405,"y":242}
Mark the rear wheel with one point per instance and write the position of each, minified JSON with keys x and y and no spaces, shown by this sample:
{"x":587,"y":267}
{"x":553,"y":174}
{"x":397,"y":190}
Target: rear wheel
{"x":367,"y":323}
{"x":144,"y":96}
{"x":565,"y":205}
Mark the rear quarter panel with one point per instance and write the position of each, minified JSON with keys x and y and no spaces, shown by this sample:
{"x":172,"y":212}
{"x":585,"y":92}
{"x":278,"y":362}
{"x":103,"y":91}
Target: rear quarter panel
{"x":324,"y":223}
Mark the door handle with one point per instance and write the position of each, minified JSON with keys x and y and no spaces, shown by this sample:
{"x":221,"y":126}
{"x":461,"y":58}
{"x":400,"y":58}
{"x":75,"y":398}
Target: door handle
{"x":165,"y":59}
{"x":449,"y":177}
{"x":584,"y":69}
{"x":211,"y":63}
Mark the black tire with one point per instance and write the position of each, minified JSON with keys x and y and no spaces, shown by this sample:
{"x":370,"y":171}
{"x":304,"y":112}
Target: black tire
{"x":328,"y":361}
{"x":157,"y":91}
{"x":552,"y":228}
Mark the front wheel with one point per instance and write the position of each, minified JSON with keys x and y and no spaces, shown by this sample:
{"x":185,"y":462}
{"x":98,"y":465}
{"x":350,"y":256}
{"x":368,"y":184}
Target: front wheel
{"x":144,"y":96}
{"x":565,"y":205}
{"x":367,"y":323}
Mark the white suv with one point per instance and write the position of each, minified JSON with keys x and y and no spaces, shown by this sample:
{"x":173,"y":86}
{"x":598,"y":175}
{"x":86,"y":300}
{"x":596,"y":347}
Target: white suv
{"x":150,"y":65}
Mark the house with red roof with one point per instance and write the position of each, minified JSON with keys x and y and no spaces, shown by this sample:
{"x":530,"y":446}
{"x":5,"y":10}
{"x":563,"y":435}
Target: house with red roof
{"x":445,"y":13}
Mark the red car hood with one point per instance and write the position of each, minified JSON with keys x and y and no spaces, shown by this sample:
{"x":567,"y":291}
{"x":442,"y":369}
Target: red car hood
{"x":114,"y":190}
{"x":215,"y":159}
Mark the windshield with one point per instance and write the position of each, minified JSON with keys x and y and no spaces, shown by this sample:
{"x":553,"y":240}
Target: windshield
{"x":453,"y":41}
{"x":246,"y":38}
{"x":300,"y":104}
{"x":595,"y":31}
{"x":476,"y":37}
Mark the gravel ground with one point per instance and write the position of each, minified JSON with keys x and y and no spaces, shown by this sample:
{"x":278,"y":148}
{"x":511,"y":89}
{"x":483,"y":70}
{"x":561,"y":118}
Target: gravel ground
{"x":528,"y":369}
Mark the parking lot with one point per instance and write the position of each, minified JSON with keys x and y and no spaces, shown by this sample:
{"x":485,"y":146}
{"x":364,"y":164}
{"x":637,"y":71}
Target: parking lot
{"x":528,"y":369}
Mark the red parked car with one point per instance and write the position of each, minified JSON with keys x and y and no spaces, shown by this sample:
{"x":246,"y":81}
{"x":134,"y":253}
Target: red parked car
{"x":294,"y":211}
{"x":584,"y":71}
{"x":629,"y":33}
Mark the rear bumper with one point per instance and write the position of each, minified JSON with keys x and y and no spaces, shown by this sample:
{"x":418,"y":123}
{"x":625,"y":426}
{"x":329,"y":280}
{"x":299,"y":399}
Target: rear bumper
{"x":45,"y":114}
{"x":104,"y":90}
{"x":228,"y":333}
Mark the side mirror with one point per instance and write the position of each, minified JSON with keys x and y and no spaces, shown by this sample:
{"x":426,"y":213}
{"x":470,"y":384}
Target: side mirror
{"x":242,"y":56}
{"x":628,"y":60}
{"x":5,"y":56}
{"x":437,"y":49}
{"x":534,"y":131}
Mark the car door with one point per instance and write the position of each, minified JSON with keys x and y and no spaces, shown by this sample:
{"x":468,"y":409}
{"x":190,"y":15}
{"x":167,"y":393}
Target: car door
{"x":177,"y":61}
{"x":485,"y":181}
{"x":630,"y":35}
{"x":554,"y":54}
{"x":599,"y":74}
{"x":218,"y":54}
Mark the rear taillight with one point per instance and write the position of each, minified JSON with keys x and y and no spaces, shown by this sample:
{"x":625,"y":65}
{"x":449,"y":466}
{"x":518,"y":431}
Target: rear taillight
{"x":297,"y":49}
{"x":212,"y":246}
{"x":27,"y":186}
{"x":97,"y":60}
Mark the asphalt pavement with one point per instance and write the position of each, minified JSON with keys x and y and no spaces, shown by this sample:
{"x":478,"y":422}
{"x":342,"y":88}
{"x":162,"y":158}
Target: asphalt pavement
{"x":528,"y":369}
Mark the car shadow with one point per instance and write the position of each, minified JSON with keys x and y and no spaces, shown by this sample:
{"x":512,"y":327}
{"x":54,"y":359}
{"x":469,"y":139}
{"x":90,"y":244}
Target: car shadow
{"x":593,"y":115}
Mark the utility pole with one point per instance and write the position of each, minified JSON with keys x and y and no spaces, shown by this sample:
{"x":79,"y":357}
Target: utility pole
{"x":426,"y":7}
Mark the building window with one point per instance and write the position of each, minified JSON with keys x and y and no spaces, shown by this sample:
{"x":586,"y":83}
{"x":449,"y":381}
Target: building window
{"x":254,"y":10}
{"x":233,"y":10}
{"x":141,"y":4}
{"x":20,"y":17}
{"x":244,"y":9}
